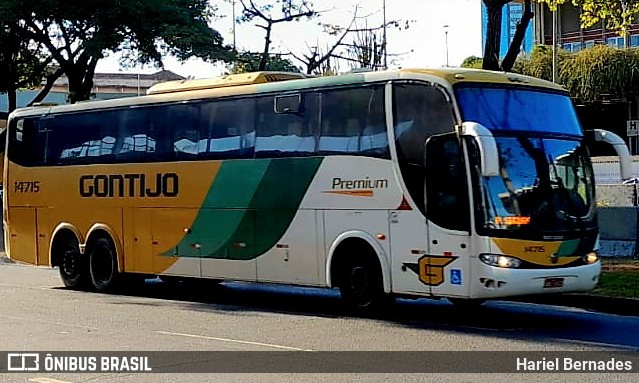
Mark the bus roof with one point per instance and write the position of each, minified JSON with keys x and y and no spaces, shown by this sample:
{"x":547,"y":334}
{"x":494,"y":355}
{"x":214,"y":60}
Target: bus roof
{"x":264,"y":82}
{"x":461,"y":75}
{"x":223,"y":81}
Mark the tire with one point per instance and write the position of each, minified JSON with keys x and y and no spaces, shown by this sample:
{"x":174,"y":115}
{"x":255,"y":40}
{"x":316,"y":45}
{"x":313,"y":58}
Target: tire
{"x":361,"y":285}
{"x":103,"y":266}
{"x":72,"y":266}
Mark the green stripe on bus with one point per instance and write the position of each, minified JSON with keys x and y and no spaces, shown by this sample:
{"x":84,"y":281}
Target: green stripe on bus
{"x":249,"y":207}
{"x":568,"y":248}
{"x":224,"y":206}
{"x":272,"y":209}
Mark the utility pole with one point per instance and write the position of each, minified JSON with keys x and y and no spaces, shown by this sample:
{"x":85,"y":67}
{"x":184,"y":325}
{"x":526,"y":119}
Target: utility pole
{"x":554,"y":45}
{"x":446,"y":41}
{"x":234,"y":43}
{"x":384,"y":44}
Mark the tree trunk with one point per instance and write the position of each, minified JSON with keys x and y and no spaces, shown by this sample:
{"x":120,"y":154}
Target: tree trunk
{"x":493,"y":36}
{"x":267,"y":45}
{"x":12,"y":98}
{"x":518,"y":39}
{"x":47,"y":87}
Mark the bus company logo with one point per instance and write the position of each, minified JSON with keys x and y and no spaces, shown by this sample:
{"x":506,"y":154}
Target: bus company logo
{"x":360,"y":187}
{"x":129,"y":185}
{"x":430,"y":268}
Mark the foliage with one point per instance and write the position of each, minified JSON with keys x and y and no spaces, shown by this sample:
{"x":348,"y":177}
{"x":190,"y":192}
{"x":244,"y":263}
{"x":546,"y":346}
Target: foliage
{"x":601,"y":71}
{"x":271,"y":14}
{"x":367,"y":49}
{"x":617,"y":14}
{"x":591,"y":74}
{"x":472,"y":62}
{"x":249,"y":62}
{"x":75,"y":35}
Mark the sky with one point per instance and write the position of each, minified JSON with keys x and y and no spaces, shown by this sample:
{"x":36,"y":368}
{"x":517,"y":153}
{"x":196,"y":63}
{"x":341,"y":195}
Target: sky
{"x":423,"y":44}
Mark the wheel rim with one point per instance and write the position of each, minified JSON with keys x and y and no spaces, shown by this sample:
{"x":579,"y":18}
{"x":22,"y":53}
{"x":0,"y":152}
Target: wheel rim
{"x":71,"y":263}
{"x":101,"y":265}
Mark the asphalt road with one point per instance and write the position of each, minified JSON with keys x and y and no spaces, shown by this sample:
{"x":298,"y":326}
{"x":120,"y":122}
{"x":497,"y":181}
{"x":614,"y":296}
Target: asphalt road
{"x":37,"y":314}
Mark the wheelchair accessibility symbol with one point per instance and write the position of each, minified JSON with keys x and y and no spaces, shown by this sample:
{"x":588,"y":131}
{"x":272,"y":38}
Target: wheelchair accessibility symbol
{"x":455,"y":277}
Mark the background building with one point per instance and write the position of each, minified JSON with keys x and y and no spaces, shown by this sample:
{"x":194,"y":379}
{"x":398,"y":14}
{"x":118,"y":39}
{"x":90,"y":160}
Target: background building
{"x":569,"y":34}
{"x":105,"y":86}
{"x":608,"y":113}
{"x":511,"y":15}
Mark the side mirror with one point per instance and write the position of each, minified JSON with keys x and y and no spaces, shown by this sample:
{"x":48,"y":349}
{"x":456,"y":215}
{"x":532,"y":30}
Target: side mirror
{"x":489,"y":160}
{"x":625,"y":161}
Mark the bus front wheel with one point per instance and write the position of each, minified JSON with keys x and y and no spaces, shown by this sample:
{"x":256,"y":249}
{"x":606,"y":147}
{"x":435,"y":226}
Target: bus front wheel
{"x":72,"y":265}
{"x":361,"y":284}
{"x":103,"y":265}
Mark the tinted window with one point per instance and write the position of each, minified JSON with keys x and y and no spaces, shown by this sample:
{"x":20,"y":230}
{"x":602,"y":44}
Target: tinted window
{"x":182,"y":129}
{"x":72,"y":137}
{"x":291,"y":133}
{"x":420,"y":111}
{"x":353,"y":122}
{"x":514,"y":109}
{"x":227,"y":129}
{"x":26,"y":144}
{"x":446,"y":186}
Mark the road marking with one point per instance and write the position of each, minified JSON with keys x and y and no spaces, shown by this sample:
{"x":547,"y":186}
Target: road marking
{"x":234,"y":341}
{"x":47,"y":380}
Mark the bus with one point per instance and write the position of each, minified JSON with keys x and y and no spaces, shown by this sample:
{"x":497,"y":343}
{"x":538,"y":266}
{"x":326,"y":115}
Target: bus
{"x":445,"y":183}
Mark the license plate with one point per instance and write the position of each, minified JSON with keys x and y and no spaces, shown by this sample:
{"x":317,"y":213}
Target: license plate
{"x":553,"y":283}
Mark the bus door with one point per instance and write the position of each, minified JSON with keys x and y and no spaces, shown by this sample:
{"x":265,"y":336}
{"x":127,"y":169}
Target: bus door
{"x":448,"y":216}
{"x":430,"y":237}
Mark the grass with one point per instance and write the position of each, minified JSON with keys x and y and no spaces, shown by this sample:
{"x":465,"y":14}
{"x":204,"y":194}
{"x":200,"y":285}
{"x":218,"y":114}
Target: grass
{"x":619,"y":278}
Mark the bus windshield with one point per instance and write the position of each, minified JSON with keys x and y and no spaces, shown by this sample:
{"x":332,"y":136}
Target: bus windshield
{"x":546,"y":184}
{"x":516,"y":109}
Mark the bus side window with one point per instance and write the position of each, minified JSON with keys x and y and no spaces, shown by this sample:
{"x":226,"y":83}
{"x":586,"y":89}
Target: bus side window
{"x":182,"y":130}
{"x":446,"y":187}
{"x":226,"y":129}
{"x":76,"y":138}
{"x":353,"y":122}
{"x":26,"y":144}
{"x":419,"y":112}
{"x":286,"y":132}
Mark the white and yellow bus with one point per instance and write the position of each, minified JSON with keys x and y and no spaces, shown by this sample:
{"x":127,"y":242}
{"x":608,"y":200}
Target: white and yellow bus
{"x":453,"y":183}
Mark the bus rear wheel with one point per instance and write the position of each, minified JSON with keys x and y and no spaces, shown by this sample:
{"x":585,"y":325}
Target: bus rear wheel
{"x":103,"y":265}
{"x":361,"y":284}
{"x":72,"y":265}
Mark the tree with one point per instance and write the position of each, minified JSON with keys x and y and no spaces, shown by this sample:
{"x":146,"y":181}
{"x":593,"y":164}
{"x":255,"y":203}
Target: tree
{"x":617,"y":14}
{"x":75,"y":35}
{"x":249,"y":62}
{"x":365,"y":49}
{"x":269,"y":15}
{"x":472,"y":62}
{"x":492,"y":52}
{"x":21,"y":64}
{"x":601,"y":71}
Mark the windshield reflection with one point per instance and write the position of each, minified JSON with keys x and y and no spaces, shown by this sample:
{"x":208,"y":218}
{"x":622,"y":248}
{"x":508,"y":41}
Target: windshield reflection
{"x":544,"y":184}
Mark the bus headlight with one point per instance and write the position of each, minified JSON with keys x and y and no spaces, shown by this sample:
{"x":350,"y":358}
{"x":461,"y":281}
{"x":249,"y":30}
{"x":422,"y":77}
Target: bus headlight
{"x":590,"y":258}
{"x":500,"y":260}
